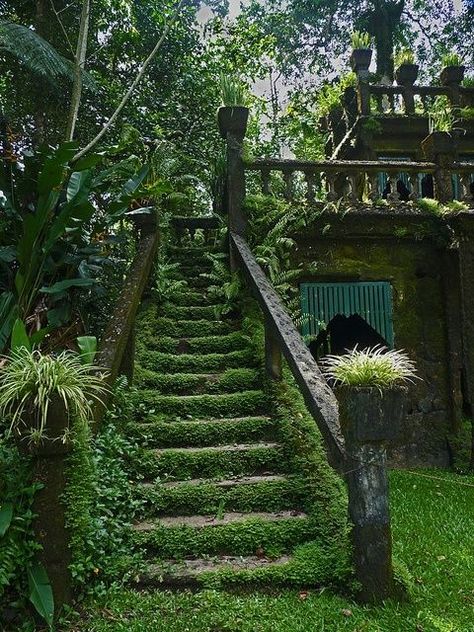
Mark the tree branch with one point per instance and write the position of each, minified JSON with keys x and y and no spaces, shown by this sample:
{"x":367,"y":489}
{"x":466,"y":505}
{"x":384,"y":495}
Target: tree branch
{"x":79,"y":65}
{"x":135,"y":82}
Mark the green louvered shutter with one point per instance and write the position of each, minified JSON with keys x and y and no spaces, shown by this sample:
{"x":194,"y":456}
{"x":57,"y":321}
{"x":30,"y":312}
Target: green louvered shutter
{"x":372,"y":301}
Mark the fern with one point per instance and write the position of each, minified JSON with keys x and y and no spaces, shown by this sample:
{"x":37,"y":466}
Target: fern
{"x":35,"y":53}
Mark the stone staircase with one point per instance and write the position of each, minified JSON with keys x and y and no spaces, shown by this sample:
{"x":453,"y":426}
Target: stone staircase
{"x":222,"y":491}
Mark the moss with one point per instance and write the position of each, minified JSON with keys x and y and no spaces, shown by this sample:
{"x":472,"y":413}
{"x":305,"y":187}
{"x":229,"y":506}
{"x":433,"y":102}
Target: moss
{"x":234,"y":341}
{"x":194,"y":363}
{"x":208,"y":497}
{"x":191,"y":328}
{"x":208,"y":463}
{"x":229,"y":381}
{"x":192,"y":298}
{"x":190,"y":312}
{"x":461,"y":446}
{"x":243,"y":538}
{"x":168,"y":434}
{"x":198,"y":406}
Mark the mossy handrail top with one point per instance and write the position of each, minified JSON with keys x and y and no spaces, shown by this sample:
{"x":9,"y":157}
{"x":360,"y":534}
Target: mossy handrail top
{"x":319,"y":397}
{"x":373,"y":166}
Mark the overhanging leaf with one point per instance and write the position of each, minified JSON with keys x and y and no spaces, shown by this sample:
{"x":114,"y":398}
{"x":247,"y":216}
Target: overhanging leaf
{"x":41,"y":594}
{"x":20,"y":336}
{"x":87,"y":348}
{"x":6,"y":515}
{"x":60,"y":286}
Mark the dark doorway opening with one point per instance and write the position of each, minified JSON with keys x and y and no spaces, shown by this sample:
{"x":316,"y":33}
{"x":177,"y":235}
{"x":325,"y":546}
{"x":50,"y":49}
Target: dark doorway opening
{"x":343,"y":333}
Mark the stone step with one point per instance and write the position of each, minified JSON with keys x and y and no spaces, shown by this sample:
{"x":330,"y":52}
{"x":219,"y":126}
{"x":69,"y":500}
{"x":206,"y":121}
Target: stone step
{"x":189,"y":573}
{"x":230,"y":381}
{"x":202,"y":432}
{"x":177,"y":312}
{"x":226,"y":533}
{"x":235,"y":341}
{"x":191,"y":328}
{"x":222,"y":461}
{"x":267,"y":492}
{"x":251,"y":402}
{"x":195,"y":298}
{"x":196,"y":363}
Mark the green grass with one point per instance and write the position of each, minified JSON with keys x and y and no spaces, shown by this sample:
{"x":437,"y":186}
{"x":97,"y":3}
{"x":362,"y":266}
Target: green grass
{"x":433,"y":525}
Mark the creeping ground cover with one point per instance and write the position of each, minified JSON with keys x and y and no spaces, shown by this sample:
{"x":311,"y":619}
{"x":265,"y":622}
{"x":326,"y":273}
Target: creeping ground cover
{"x":433,"y":528}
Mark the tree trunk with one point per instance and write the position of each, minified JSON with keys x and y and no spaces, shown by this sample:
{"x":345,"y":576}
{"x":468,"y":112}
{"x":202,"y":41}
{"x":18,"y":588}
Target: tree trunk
{"x":79,"y":65}
{"x":383,"y":22}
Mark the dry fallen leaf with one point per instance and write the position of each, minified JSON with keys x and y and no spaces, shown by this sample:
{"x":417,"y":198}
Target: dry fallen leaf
{"x":346,"y":612}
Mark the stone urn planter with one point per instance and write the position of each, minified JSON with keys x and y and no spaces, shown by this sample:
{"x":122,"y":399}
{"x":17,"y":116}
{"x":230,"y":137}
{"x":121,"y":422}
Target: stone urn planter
{"x":360,"y":59}
{"x":233,"y":120}
{"x":407,"y":74}
{"x":452,"y":75}
{"x":370,"y":414}
{"x":438,"y":143}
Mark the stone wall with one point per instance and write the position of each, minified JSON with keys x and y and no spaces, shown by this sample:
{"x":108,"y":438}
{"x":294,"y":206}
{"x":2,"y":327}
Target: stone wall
{"x":411,"y":252}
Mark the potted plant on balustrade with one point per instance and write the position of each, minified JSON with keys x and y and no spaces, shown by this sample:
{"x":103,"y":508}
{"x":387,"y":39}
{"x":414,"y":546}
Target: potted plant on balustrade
{"x":370,"y":386}
{"x":233,"y":114}
{"x":453,"y":69}
{"x":361,"y":51}
{"x":440,"y":139}
{"x":406,"y":71}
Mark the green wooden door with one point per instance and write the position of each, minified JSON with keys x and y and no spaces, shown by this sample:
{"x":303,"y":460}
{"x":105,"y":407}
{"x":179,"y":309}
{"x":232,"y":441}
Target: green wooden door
{"x":372,"y":301}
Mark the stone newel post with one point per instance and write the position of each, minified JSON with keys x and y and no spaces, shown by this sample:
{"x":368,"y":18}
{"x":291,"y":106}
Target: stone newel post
{"x":370,"y":418}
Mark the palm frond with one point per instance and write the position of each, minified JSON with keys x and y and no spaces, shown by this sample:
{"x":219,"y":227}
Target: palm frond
{"x":35,"y":53}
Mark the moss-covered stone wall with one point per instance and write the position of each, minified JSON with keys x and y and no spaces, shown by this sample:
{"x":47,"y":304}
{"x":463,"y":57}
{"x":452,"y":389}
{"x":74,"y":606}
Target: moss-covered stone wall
{"x":412,"y":254}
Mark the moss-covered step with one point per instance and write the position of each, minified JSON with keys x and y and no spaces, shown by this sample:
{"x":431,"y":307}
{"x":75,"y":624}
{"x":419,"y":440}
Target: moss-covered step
{"x":195,"y":363}
{"x":190,"y":328}
{"x":202,"y":432}
{"x":219,"y":405}
{"x":193,"y":312}
{"x":235,"y":341}
{"x":269,"y":492}
{"x":194,"y":297}
{"x":221,"y":461}
{"x":233,"y":533}
{"x":229,"y":381}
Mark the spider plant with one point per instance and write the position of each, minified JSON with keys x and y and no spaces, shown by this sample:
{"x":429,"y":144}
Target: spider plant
{"x":372,"y":367}
{"x":404,"y":56}
{"x":451,"y":59}
{"x":360,"y":40}
{"x":30,"y":381}
{"x":232,"y":91}
{"x":441,"y":118}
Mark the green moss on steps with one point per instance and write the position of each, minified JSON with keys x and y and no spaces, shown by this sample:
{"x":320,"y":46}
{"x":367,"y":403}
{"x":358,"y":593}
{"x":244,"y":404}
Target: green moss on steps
{"x":194,"y":363}
{"x":199,"y":406}
{"x":211,"y":463}
{"x":190,"y":312}
{"x":168,"y":434}
{"x":190,"y":328}
{"x":229,"y":381}
{"x":243,"y":538}
{"x":208,"y":497}
{"x":234,"y":341}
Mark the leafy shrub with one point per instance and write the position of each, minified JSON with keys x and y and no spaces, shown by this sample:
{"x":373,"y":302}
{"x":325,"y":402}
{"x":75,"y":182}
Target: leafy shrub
{"x":376,"y":366}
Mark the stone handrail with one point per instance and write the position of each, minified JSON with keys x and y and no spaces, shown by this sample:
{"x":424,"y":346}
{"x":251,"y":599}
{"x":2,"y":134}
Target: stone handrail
{"x":283,"y":337}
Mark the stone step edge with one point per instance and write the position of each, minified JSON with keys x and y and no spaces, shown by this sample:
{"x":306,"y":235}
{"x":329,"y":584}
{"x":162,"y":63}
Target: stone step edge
{"x":205,"y":521}
{"x":237,"y":447}
{"x":222,"y":482}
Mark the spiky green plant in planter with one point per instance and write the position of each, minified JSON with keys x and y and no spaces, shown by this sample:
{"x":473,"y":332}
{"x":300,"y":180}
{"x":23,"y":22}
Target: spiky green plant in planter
{"x":32,"y":383}
{"x":372,"y":367}
{"x":234,"y":113}
{"x":233,"y":92}
{"x":360,"y":40}
{"x":406,"y":72}
{"x":361,"y":51}
{"x":453,"y":69}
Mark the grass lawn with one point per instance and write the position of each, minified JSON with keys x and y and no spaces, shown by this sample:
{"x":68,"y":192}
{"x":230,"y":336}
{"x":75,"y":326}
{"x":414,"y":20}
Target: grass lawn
{"x":433,"y":528}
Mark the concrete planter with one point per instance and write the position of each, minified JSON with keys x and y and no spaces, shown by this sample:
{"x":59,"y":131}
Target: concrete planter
{"x":452,"y":75}
{"x":360,"y":59}
{"x":438,"y":143}
{"x":370,"y":415}
{"x":407,"y":74}
{"x":233,"y":120}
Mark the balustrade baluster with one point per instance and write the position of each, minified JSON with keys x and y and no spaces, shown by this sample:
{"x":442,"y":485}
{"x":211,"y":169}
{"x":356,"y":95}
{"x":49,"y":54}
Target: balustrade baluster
{"x":374,"y":193}
{"x":288,"y":180}
{"x":355,"y":191}
{"x":266,"y":190}
{"x":414,"y":184}
{"x":310,"y":192}
{"x":331,"y":185}
{"x":394,"y":195}
{"x":465,"y":185}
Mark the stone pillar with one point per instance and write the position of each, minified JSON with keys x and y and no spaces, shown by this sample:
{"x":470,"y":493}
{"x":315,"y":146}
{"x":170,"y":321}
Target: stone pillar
{"x":369,"y":420}
{"x":49,"y":461}
{"x":233,"y":126}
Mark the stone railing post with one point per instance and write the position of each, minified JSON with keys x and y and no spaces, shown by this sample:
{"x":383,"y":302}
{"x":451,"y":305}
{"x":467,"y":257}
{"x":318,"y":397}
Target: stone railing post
{"x":233,"y":126}
{"x":49,"y":463}
{"x":440,"y":147}
{"x":360,"y":62}
{"x":370,"y":418}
